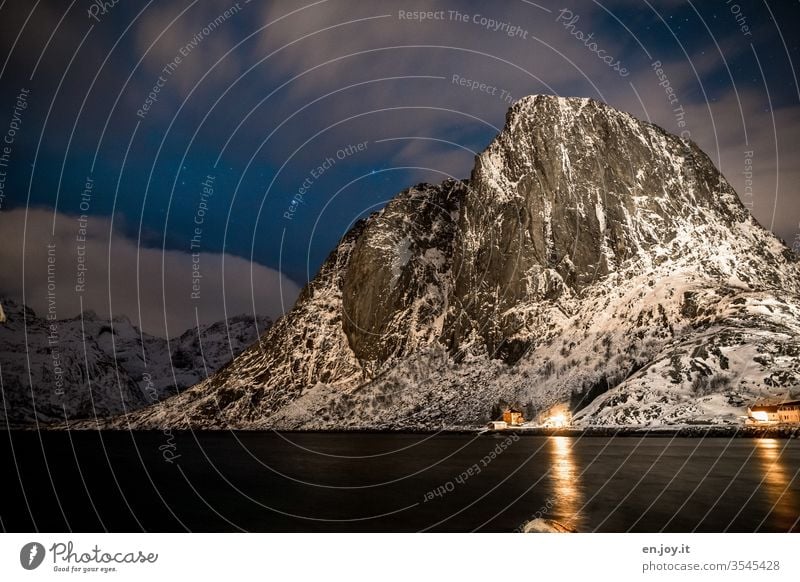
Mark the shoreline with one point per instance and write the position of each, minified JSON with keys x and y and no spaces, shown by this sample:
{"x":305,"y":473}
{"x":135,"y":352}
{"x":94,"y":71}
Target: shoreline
{"x":685,"y":431}
{"x":688,"y":431}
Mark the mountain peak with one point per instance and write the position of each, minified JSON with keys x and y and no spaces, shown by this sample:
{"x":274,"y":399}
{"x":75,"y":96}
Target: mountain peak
{"x":587,"y":248}
{"x":529,"y":102}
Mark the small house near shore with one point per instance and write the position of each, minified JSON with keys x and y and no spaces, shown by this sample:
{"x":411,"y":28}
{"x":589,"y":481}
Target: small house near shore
{"x":497,"y":425}
{"x":789,"y":412}
{"x":770,"y":414}
{"x":513,"y":417}
{"x":762,"y":414}
{"x":558,"y":416}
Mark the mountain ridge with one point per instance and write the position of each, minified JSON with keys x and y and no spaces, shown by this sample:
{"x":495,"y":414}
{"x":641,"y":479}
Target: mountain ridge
{"x":105,"y":368}
{"x":591,"y":260}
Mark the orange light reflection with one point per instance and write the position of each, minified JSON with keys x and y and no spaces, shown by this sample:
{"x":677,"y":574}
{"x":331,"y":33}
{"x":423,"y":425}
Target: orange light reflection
{"x":776,"y":481}
{"x":566,"y":480}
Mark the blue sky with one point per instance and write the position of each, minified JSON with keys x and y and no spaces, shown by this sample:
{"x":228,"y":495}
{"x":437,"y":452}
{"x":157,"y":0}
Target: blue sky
{"x":267,"y":94}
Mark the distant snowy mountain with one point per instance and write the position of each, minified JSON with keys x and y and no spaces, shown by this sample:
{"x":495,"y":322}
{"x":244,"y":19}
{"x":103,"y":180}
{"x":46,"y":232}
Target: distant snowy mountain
{"x":591,"y":260}
{"x":98,"y":367}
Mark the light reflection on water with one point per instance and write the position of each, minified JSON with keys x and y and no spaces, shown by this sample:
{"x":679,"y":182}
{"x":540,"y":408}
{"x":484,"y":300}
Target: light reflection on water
{"x":566,"y":480}
{"x":587,"y":484}
{"x":776,"y":480}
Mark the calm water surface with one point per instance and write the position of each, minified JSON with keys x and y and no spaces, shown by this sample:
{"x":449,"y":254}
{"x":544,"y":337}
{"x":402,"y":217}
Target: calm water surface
{"x":394,"y":482}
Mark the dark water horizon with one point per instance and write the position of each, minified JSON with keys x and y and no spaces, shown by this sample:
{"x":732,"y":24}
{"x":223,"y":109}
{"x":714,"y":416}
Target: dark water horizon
{"x":394,"y":482}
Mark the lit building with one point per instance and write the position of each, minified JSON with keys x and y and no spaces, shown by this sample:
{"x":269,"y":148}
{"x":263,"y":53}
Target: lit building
{"x":762,"y":414}
{"x":789,"y":412}
{"x":513,"y":417}
{"x":557,"y":417}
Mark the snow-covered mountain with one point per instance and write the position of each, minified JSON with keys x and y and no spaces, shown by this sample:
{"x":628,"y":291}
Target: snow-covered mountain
{"x":591,"y":259}
{"x":90,"y":366}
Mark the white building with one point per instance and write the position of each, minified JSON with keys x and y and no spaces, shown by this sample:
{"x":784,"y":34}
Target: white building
{"x":498,"y":425}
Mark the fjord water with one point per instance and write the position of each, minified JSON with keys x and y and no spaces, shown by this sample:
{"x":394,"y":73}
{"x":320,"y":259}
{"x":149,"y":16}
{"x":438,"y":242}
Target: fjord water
{"x":264,"y":481}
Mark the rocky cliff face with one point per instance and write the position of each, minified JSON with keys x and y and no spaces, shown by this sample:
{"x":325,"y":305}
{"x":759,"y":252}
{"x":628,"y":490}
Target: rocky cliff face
{"x":97,"y":367}
{"x":591,"y":259}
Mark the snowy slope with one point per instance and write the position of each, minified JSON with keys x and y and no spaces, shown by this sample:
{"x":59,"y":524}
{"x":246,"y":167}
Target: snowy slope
{"x":591,"y":259}
{"x":103,"y":368}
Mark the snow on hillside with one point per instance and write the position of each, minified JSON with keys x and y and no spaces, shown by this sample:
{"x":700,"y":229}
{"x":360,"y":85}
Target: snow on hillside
{"x":98,"y":367}
{"x":591,"y":259}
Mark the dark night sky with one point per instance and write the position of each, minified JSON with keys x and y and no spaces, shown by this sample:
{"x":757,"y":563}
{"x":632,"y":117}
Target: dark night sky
{"x":274,"y":89}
